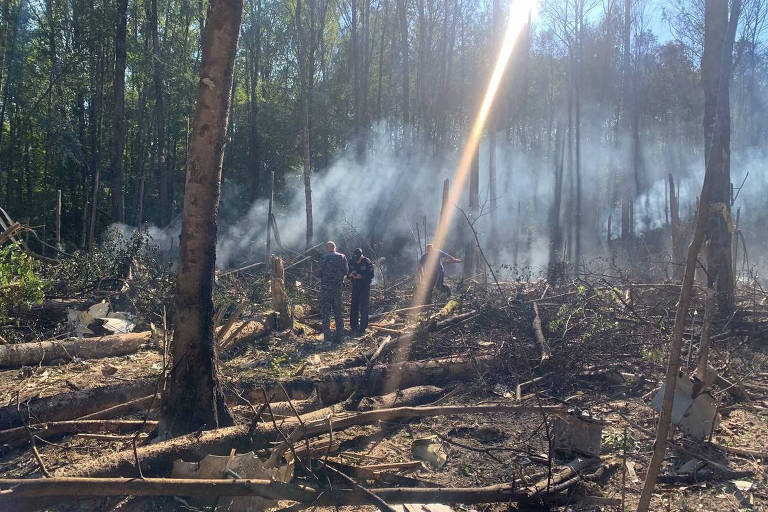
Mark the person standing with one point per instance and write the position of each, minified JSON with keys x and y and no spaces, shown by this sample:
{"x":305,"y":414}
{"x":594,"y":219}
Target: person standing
{"x":331,"y":271}
{"x":361,"y":274}
{"x":437,"y":277}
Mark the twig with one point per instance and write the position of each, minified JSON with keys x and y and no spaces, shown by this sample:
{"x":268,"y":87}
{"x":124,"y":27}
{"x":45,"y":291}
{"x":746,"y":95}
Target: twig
{"x":480,"y":249}
{"x":39,"y":459}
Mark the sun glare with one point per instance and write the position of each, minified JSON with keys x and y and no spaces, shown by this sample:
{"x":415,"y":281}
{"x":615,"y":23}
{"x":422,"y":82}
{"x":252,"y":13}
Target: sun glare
{"x":520,"y":13}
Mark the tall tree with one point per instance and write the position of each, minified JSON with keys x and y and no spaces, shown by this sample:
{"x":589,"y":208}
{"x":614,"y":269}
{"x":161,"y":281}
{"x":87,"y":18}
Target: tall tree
{"x":158,"y":72}
{"x":402,"y":16}
{"x":309,"y":24}
{"x":716,"y":69}
{"x":194,"y":398}
{"x":118,"y":121}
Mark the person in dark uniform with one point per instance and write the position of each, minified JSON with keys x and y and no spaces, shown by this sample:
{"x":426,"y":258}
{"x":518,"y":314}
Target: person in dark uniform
{"x":438,"y":276}
{"x":331,"y":271}
{"x":361,"y":275}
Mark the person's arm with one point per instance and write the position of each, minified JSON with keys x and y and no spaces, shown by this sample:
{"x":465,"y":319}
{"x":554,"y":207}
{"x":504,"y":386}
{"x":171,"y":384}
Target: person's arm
{"x":345,"y":265}
{"x":451,"y":259}
{"x":367,"y":271}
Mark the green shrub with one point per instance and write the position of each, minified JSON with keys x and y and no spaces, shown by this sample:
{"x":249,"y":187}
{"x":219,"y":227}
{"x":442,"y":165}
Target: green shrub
{"x":19,"y":282}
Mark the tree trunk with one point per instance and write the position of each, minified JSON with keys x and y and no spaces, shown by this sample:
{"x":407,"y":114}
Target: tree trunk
{"x":716,"y":69}
{"x":194,"y":397}
{"x":625,"y":186}
{"x":280,"y":302}
{"x":577,"y":120}
{"x":555,"y":230}
{"x":678,"y":249}
{"x":45,"y":352}
{"x":162,"y":171}
{"x":303,"y":51}
{"x":254,"y":148}
{"x":66,"y":406}
{"x":402,"y":14}
{"x":718,"y":44}
{"x":118,"y":141}
{"x":470,"y":248}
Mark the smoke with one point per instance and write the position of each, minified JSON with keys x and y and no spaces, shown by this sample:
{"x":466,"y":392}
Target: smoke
{"x":379,"y":199}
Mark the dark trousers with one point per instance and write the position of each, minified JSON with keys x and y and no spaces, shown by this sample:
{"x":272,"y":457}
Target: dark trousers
{"x":358,"y":309}
{"x":331,"y":303}
{"x":437,"y":280}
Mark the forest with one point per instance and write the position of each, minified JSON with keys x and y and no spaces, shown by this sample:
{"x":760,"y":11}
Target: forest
{"x":551,"y":211}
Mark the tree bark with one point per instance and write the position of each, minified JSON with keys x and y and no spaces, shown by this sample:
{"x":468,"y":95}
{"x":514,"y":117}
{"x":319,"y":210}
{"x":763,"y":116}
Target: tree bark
{"x":716,"y":70}
{"x":402,"y":14}
{"x":45,"y":352}
{"x":118,"y":140}
{"x":66,"y":406}
{"x":470,"y":247}
{"x":194,"y":398}
{"x":158,"y":71}
{"x":305,"y":75}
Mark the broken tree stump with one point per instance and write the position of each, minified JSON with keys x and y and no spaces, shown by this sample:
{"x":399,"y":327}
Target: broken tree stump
{"x":280,"y":303}
{"x":46,"y":352}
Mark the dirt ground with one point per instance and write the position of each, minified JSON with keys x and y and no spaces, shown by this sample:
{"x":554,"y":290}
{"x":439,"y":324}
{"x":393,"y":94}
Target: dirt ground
{"x":613,"y":379}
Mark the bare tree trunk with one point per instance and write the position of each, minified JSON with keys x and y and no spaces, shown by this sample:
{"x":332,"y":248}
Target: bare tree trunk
{"x":95,"y":158}
{"x":162,"y":171}
{"x":255,"y":145}
{"x":304,"y":78}
{"x":402,"y":15}
{"x":716,"y":69}
{"x":493,"y":126}
{"x":678,"y":251}
{"x":555,"y":230}
{"x":577,"y":120}
{"x":195,"y":399}
{"x":470,"y":248}
{"x":626,"y":188}
{"x":118,"y":140}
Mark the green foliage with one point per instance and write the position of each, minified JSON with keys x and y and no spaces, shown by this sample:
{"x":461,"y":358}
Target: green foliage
{"x":617,"y":441}
{"x":19,"y":281}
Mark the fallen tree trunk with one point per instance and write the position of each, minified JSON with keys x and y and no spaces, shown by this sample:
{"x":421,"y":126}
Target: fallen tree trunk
{"x":46,"y":352}
{"x":47,"y":487}
{"x":18,"y":436}
{"x":125,"y":398}
{"x":66,"y":406}
{"x":339,"y":385}
{"x":157,"y":459}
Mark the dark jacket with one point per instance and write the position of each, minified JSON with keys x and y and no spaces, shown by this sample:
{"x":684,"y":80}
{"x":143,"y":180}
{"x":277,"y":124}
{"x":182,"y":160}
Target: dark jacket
{"x":364,"y":268}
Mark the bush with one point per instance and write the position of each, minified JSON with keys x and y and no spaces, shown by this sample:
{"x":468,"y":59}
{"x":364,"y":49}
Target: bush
{"x":19,"y":283}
